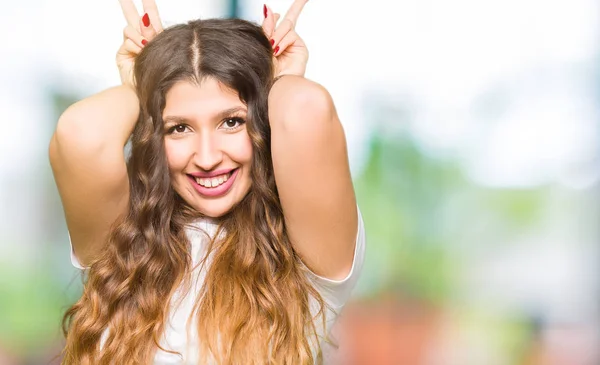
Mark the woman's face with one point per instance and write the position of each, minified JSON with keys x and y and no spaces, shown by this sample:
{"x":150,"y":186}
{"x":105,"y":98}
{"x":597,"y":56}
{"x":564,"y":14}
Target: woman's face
{"x":207,"y":145}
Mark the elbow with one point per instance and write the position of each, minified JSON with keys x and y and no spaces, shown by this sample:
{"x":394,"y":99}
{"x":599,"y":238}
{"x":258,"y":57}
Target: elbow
{"x":72,"y":138}
{"x":299,"y":100}
{"x":69,"y":127}
{"x":312,"y":99}
{"x":59,"y":138}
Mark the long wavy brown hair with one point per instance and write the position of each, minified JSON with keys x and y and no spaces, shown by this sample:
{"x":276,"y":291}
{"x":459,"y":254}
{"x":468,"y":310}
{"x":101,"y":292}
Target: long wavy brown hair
{"x":255,"y":304}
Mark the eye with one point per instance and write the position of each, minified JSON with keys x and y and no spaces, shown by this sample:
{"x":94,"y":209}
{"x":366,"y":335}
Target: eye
{"x":177,"y":129}
{"x":233,"y":123}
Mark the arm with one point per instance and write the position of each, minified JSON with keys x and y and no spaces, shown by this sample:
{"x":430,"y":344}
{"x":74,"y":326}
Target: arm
{"x":88,"y":163}
{"x":313,"y":175}
{"x":86,"y":150}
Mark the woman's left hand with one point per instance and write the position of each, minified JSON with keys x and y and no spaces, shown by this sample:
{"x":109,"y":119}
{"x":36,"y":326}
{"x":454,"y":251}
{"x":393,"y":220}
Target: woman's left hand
{"x":289,"y":51}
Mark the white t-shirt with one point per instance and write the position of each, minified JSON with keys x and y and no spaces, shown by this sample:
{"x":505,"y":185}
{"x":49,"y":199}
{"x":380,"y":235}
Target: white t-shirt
{"x":334,"y":293}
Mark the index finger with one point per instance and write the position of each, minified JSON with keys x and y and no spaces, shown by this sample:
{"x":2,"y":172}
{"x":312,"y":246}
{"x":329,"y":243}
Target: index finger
{"x":130,"y":12}
{"x":152,"y":11}
{"x":294,"y":11}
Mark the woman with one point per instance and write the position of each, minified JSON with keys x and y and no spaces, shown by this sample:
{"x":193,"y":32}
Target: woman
{"x":231,"y":233}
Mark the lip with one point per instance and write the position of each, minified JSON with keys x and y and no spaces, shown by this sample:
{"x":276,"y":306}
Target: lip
{"x":219,"y":190}
{"x":204,"y":175}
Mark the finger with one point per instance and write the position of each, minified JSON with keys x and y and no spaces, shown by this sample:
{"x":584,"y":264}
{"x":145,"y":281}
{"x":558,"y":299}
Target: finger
{"x":284,"y":28}
{"x":151,"y":9}
{"x":268,"y":24}
{"x":132,"y":34}
{"x":289,"y":39}
{"x":147,"y":30}
{"x":294,"y":11}
{"x":129,"y":47}
{"x":130,"y":12}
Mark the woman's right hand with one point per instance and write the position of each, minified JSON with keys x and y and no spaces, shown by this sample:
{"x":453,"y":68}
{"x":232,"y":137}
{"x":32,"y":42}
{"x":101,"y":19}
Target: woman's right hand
{"x":138,"y":32}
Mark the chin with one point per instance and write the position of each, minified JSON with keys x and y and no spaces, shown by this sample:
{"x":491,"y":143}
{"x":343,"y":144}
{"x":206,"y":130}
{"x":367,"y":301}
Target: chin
{"x":214,"y":212}
{"x":215,"y":208}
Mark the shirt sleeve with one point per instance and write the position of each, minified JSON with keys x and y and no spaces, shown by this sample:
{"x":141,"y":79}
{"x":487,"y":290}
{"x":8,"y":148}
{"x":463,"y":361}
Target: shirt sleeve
{"x":337,"y":292}
{"x":74,"y":261}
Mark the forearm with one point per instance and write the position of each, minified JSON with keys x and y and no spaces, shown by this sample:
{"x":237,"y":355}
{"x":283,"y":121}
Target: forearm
{"x":102,"y":121}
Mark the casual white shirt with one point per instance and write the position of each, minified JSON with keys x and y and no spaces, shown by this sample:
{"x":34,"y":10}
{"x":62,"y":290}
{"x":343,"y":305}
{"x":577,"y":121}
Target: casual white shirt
{"x":334,"y":292}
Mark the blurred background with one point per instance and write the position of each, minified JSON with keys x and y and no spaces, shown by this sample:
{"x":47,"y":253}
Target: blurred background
{"x":474,"y":141}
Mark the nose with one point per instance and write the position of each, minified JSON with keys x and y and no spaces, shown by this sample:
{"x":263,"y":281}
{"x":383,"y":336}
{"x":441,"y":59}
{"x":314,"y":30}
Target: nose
{"x":208,"y":154}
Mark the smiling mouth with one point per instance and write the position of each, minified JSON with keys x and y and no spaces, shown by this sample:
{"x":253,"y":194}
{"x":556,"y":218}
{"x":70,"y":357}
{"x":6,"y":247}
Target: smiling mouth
{"x":213,"y":182}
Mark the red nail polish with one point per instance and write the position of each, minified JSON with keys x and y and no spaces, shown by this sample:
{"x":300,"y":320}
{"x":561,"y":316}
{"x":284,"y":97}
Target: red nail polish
{"x":146,"y":20}
{"x":265,"y":10}
{"x":144,"y":42}
{"x":272,"y":42}
{"x":276,"y":50}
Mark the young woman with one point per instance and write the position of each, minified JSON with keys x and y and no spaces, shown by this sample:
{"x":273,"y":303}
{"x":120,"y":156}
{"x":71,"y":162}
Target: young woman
{"x":230,"y":234}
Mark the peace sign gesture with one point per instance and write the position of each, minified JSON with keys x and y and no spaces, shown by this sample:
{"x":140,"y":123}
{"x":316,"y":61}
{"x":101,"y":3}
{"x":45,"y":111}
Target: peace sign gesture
{"x":291,"y":54}
{"x":138,"y":32}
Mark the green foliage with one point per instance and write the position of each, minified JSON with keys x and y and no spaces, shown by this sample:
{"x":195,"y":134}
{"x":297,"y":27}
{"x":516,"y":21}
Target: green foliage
{"x":32,"y":306}
{"x":401,"y":193}
{"x":421,"y":214}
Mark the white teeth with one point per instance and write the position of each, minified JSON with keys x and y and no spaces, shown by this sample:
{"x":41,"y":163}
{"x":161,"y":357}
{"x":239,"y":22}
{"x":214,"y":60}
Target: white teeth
{"x":214,"y":182}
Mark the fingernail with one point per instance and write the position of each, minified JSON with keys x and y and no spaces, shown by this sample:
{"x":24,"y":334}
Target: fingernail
{"x":272,"y":42}
{"x":144,"y":42}
{"x":146,"y":20}
{"x":265,"y":10}
{"x":276,"y":50}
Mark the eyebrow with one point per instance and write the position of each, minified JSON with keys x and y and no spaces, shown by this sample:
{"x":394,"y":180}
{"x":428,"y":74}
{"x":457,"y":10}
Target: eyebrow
{"x":221,"y":115}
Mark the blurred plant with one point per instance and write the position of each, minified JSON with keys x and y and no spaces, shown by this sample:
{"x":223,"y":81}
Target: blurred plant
{"x":31,"y":307}
{"x":401,"y":195}
{"x":423,"y":216}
